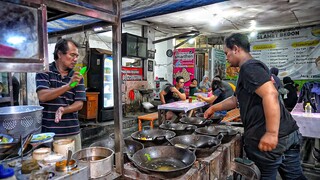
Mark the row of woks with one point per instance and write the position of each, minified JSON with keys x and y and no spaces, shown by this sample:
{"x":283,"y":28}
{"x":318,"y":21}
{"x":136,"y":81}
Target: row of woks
{"x":159,"y":158}
{"x":194,"y":140}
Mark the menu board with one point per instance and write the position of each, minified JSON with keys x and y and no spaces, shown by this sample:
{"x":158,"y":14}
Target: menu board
{"x":295,"y":52}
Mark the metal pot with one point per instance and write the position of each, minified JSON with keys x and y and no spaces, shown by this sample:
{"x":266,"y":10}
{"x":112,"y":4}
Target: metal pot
{"x":179,"y":129}
{"x":130,"y":146}
{"x":153,"y":137}
{"x":98,"y":159}
{"x":228,"y":132}
{"x":20,"y":120}
{"x":164,"y":161}
{"x":204,"y":145}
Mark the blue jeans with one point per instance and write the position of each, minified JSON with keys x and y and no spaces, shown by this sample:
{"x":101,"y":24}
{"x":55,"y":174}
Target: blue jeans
{"x":285,"y":158}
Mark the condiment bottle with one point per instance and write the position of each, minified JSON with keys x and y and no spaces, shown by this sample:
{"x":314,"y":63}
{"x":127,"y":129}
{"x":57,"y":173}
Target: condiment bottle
{"x":308,"y":108}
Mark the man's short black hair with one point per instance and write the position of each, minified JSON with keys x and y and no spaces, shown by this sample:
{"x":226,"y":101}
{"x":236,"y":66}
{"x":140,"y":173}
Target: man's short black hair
{"x":178,"y":78}
{"x":193,"y":79}
{"x":218,"y":76}
{"x":62,"y":46}
{"x":238,"y":39}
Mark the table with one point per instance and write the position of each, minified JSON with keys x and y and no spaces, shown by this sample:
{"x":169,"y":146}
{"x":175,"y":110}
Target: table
{"x":309,"y":127}
{"x":203,"y":94}
{"x":308,"y":123}
{"x":182,"y":106}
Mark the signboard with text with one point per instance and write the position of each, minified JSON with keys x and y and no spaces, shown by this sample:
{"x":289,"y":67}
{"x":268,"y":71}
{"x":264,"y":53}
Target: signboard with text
{"x":295,"y":52}
{"x":183,"y":65}
{"x":131,"y":74}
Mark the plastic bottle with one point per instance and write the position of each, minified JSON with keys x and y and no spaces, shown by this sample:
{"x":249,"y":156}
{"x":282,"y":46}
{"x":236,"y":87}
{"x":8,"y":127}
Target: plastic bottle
{"x":308,"y":108}
{"x":7,"y":173}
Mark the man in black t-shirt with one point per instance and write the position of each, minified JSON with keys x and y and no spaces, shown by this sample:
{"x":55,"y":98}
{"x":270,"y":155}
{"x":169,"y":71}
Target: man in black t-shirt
{"x":173,"y":93}
{"x":271,"y":136}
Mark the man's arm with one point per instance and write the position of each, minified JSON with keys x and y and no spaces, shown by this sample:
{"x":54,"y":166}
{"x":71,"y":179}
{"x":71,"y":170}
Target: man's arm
{"x":182,"y":96}
{"x":76,"y":106}
{"x":227,"y":104}
{"x":45,"y":95}
{"x":162,"y":94}
{"x":271,"y":108}
{"x":209,"y":100}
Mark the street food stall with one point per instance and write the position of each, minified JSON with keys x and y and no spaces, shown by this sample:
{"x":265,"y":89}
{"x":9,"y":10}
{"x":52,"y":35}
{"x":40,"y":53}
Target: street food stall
{"x":207,"y":156}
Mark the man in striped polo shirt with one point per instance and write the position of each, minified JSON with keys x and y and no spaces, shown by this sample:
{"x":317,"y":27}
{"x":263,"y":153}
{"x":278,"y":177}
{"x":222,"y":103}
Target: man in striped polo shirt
{"x":60,"y":101}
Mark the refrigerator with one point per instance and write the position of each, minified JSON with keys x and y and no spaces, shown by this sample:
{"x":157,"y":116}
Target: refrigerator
{"x":100,"y":79}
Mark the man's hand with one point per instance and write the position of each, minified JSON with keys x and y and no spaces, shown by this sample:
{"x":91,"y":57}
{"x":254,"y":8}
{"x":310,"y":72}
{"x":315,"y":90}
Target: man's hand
{"x":209,"y":112}
{"x":268,"y":142}
{"x":59,"y":114}
{"x":76,"y":77}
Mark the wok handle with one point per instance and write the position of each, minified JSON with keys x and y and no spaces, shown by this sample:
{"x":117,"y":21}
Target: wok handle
{"x":220,"y":136}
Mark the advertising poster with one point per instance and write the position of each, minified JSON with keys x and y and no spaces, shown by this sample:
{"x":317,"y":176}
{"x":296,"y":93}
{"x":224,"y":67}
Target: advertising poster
{"x":219,"y":62}
{"x":131,"y":74}
{"x":183,"y":65}
{"x":295,"y":52}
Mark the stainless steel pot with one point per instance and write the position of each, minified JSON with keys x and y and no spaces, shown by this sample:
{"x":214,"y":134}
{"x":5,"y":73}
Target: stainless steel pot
{"x":98,"y":159}
{"x":20,"y":120}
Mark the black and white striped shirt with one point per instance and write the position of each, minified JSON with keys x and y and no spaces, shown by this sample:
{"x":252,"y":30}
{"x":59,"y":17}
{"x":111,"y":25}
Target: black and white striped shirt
{"x":69,"y":124}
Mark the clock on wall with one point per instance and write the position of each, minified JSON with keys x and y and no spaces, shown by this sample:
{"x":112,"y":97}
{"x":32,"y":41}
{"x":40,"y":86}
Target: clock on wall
{"x":169,"y":53}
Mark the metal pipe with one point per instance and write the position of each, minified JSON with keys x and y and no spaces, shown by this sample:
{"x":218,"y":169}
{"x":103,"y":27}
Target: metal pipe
{"x":116,"y":54}
{"x":176,"y":36}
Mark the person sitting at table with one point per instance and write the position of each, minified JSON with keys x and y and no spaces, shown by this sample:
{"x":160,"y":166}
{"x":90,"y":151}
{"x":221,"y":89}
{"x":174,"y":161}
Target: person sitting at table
{"x":227,"y":86}
{"x":217,"y":94}
{"x":193,"y":87}
{"x":205,"y":84}
{"x":173,"y":93}
{"x":290,"y":99}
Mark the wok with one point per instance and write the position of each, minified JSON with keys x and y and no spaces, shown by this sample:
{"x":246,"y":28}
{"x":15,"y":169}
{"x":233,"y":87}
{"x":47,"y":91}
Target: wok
{"x":179,"y":129}
{"x":228,"y":132}
{"x":130,"y":146}
{"x":204,"y":145}
{"x":216,"y":118}
{"x":164,"y":161}
{"x":153,"y":137}
{"x":196,"y":121}
{"x":13,"y":156}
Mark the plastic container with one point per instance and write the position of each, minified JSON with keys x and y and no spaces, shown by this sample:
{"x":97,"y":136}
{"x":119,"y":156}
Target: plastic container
{"x":7,"y":173}
{"x":308,"y":108}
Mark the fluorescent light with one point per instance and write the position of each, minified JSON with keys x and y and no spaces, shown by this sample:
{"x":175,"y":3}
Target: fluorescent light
{"x":98,"y":29}
{"x":191,"y":41}
{"x":16,"y":39}
{"x":253,"y":34}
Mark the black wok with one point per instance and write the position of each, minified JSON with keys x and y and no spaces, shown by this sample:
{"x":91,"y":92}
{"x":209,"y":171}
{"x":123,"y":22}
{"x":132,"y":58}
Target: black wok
{"x":179,"y":129}
{"x":196,"y":121}
{"x":153,"y":137}
{"x":216,"y":118}
{"x":204,"y":145}
{"x":13,"y":156}
{"x":228,"y":132}
{"x":164,"y":161}
{"x":130,"y":146}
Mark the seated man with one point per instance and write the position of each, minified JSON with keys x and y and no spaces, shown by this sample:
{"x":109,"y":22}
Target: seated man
{"x":173,"y":93}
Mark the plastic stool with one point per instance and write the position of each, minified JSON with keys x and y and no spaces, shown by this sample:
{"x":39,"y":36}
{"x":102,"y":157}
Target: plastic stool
{"x":148,"y":117}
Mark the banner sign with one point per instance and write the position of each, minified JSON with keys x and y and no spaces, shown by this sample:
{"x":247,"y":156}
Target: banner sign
{"x":219,"y":62}
{"x":295,"y":52}
{"x":183,"y":65}
{"x":131,"y":74}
